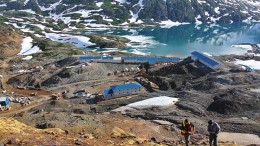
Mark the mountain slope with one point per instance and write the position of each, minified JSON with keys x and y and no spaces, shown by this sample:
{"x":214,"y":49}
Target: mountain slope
{"x":113,"y":12}
{"x":10,"y":41}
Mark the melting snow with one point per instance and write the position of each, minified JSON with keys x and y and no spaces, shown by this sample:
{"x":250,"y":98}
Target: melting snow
{"x":27,"y":58}
{"x":99,"y":4}
{"x":156,"y":101}
{"x":78,"y":41}
{"x":28,"y":11}
{"x":26,"y":1}
{"x":28,"y":48}
{"x":141,"y":40}
{"x":247,"y":47}
{"x":169,"y":24}
{"x":251,"y":63}
{"x":135,"y":16}
{"x":217,"y":10}
{"x":207,"y":53}
{"x":121,"y":1}
{"x":52,"y":7}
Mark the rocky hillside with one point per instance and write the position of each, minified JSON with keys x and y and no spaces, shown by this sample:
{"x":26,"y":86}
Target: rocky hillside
{"x":11,"y":130}
{"x":10,"y":41}
{"x":84,"y":13}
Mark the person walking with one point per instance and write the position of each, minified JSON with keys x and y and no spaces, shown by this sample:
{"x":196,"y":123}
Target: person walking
{"x":187,"y":129}
{"x":213,"y":129}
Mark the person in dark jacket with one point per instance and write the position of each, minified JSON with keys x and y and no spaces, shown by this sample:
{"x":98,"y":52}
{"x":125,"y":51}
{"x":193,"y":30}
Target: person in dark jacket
{"x":213,"y":129}
{"x":187,"y":129}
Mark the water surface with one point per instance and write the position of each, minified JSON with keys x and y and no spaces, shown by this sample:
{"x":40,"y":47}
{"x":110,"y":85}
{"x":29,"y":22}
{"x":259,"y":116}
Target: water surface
{"x":184,"y":39}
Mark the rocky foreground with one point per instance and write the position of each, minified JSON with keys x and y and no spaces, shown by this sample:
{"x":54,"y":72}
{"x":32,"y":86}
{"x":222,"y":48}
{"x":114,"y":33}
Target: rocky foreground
{"x":228,"y":96}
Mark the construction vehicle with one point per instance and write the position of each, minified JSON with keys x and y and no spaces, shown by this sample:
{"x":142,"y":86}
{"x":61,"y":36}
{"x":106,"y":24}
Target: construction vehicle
{"x":33,"y":94}
{"x":4,"y":108}
{"x":57,"y":96}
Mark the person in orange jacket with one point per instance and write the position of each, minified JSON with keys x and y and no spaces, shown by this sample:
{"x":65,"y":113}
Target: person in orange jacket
{"x":187,"y":129}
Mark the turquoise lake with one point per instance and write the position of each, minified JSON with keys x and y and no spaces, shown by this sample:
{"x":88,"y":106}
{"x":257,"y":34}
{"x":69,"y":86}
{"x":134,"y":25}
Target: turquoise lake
{"x":181,"y":40}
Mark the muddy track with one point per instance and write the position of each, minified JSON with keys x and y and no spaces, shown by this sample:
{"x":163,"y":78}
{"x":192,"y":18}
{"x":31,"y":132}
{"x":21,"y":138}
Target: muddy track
{"x":25,"y":108}
{"x":9,"y":88}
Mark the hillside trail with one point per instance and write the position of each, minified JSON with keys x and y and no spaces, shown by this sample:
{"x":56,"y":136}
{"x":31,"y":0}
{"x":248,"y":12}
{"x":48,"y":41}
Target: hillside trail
{"x":9,"y":88}
{"x":42,"y":96}
{"x":36,"y":103}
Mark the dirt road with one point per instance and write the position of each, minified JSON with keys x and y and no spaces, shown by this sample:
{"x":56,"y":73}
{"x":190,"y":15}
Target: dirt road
{"x":9,"y":88}
{"x":25,"y":108}
{"x":239,"y":138}
{"x":44,"y":95}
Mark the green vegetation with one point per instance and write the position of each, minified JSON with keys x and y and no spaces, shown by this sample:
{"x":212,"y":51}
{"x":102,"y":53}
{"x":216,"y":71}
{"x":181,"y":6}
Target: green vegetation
{"x":73,"y":16}
{"x":14,"y":60}
{"x":51,"y":48}
{"x":61,"y":24}
{"x":99,"y":19}
{"x":47,"y":30}
{"x":50,"y":1}
{"x":36,"y":29}
{"x":108,"y":41}
{"x":80,"y":25}
{"x":49,"y":20}
{"x":77,"y":25}
{"x":74,"y":52}
{"x":17,"y":14}
{"x":2,"y":19}
{"x":116,"y":12}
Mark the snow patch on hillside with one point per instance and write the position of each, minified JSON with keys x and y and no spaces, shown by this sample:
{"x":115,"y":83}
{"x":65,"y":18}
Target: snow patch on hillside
{"x":141,"y":41}
{"x":169,"y":24}
{"x":154,"y":102}
{"x":251,"y":63}
{"x":28,"y":48}
{"x":78,"y":41}
{"x":3,"y":5}
{"x":121,"y":1}
{"x":135,"y":16}
{"x":52,"y":7}
{"x":26,"y":1}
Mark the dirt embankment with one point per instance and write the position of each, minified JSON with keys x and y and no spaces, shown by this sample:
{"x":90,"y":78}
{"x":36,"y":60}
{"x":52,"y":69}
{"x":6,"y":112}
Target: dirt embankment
{"x":105,"y":132}
{"x":10,"y":41}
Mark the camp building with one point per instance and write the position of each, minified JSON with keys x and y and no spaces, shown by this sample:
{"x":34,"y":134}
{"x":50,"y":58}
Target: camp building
{"x":206,"y":60}
{"x":4,"y":102}
{"x":122,"y":90}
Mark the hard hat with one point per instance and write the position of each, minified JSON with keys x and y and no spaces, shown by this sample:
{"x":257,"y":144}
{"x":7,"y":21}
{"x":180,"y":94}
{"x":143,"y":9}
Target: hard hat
{"x":210,"y":122}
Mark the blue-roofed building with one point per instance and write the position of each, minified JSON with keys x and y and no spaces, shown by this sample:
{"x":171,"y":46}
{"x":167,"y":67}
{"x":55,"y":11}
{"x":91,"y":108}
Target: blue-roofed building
{"x":4,"y":101}
{"x":206,"y":60}
{"x":84,"y":58}
{"x":122,"y":90}
{"x":149,"y":60}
